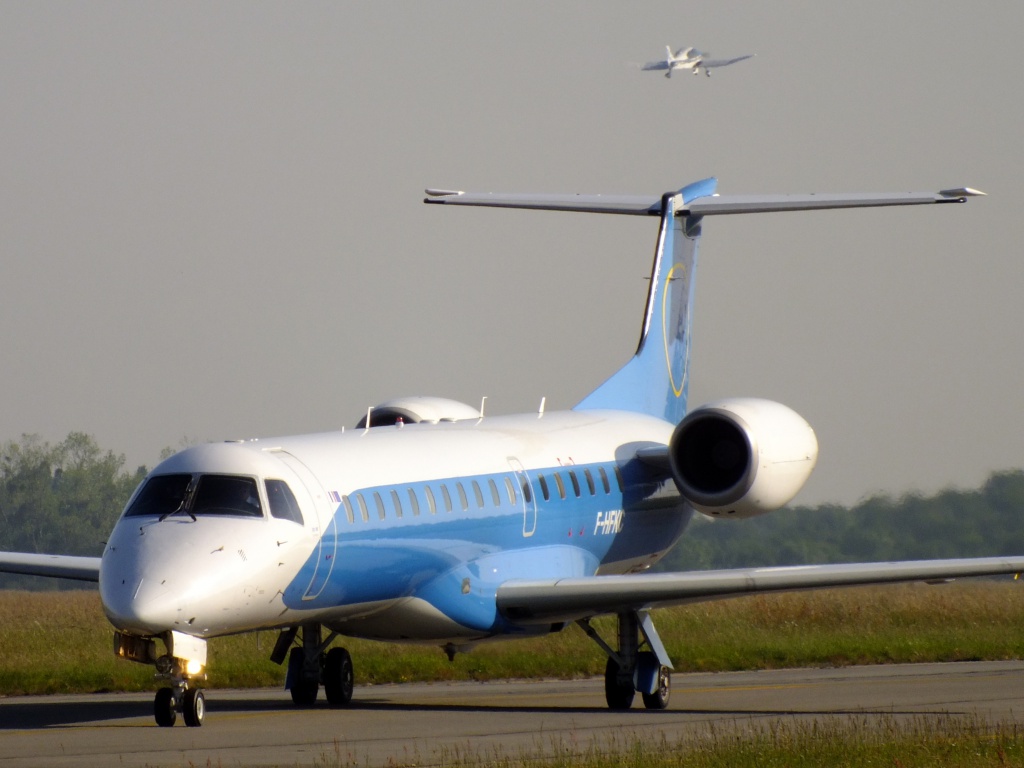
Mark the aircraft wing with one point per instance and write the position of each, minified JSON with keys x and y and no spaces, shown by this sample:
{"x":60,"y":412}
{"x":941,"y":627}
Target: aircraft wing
{"x":711,"y":205}
{"x":711,"y":63}
{"x":537,"y":602}
{"x":54,"y":566}
{"x":651,"y":65}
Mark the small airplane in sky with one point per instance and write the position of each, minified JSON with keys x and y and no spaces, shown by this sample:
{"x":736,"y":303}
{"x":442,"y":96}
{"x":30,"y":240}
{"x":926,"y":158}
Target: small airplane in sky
{"x":690,"y":58}
{"x":431,"y":523}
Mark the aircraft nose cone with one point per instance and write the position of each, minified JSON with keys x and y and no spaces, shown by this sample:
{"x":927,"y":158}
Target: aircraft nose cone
{"x":144,"y":605}
{"x":197,"y":577}
{"x":138,"y":590}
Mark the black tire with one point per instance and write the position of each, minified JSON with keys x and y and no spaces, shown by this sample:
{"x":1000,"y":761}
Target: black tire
{"x":304,"y":689}
{"x":339,"y":677}
{"x":163,"y":708}
{"x":193,"y":708}
{"x":618,"y":695}
{"x":659,"y":699}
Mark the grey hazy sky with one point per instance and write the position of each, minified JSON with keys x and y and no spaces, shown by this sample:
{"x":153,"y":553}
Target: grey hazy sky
{"x":212,"y":221}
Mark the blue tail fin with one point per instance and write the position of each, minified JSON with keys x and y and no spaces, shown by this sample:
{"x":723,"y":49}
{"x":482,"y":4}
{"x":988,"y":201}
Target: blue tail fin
{"x":656,"y":380}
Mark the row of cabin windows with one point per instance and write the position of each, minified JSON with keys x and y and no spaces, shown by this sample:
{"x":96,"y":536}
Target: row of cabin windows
{"x":575,"y":481}
{"x":363,"y":505}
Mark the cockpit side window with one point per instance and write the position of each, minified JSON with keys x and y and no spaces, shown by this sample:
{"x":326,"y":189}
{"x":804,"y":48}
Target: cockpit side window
{"x":282,"y":501}
{"x":226,"y":495}
{"x":162,"y":495}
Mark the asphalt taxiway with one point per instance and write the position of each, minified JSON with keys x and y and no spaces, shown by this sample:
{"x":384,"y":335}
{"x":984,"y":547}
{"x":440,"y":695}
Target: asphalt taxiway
{"x":424,"y":723}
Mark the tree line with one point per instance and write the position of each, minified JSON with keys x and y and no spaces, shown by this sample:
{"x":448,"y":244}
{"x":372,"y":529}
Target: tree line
{"x":65,"y":498}
{"x":61,"y":499}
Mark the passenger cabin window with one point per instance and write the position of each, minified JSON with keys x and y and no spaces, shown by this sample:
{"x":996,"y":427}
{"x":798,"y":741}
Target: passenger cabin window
{"x":543,"y":487}
{"x":462,"y":496}
{"x":349,"y":512}
{"x":575,"y":482}
{"x":379,"y":503}
{"x":511,"y":490}
{"x":590,"y":482}
{"x":415,"y":502}
{"x":283,"y":504}
{"x":604,"y":480}
{"x":447,"y":498}
{"x":431,"y":503}
{"x":478,"y":494}
{"x":494,"y":492}
{"x":527,"y":493}
{"x":363,"y":511}
{"x":560,"y":484}
{"x":396,"y":503}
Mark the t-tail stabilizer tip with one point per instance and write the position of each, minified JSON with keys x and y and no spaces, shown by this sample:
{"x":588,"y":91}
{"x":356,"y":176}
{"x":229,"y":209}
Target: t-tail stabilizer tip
{"x":960,"y":194}
{"x":441,"y":193}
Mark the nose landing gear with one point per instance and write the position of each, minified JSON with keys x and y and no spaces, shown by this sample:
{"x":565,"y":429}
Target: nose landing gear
{"x":179,"y":696}
{"x":170,"y":701}
{"x":182,"y":665}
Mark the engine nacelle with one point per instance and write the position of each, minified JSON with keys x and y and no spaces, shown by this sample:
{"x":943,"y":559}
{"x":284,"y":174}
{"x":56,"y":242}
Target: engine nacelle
{"x":413,"y":410}
{"x":741,"y":457}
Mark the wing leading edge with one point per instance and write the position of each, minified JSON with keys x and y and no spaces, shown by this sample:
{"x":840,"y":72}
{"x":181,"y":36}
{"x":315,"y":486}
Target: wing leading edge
{"x":54,"y":566}
{"x":528,"y":602}
{"x":712,"y":63}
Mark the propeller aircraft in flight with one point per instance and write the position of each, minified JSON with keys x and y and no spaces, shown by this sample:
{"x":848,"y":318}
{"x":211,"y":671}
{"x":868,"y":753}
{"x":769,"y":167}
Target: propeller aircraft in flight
{"x":691,"y":59}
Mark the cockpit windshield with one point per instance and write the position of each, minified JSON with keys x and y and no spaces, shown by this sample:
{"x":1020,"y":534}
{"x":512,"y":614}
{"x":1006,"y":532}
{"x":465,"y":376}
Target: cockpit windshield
{"x":161,"y":495}
{"x":226,"y":495}
{"x":165,"y":495}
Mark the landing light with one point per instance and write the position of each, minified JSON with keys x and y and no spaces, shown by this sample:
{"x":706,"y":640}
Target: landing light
{"x":193,"y":667}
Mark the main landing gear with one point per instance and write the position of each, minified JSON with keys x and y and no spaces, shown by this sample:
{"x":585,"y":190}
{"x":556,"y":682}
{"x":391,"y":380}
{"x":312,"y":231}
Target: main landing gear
{"x":630,"y":669}
{"x":311,"y":665}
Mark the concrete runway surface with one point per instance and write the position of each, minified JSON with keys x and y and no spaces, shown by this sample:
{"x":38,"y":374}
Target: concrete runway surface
{"x":421,"y":723}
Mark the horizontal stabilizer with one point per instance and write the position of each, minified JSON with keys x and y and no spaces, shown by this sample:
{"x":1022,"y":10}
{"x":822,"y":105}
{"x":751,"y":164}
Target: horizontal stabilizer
{"x":713,"y":205}
{"x":639,"y":205}
{"x":710,"y":206}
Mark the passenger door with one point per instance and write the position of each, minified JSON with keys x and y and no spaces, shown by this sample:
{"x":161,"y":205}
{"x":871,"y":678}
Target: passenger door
{"x":314,"y":497}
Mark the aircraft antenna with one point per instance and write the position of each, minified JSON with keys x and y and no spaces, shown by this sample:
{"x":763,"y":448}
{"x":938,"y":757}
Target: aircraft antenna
{"x":540,"y":411}
{"x":483,"y":402}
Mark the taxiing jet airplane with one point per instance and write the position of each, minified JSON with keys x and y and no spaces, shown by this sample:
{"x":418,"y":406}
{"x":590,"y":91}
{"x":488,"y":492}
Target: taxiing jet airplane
{"x":431,"y":523}
{"x":690,"y":58}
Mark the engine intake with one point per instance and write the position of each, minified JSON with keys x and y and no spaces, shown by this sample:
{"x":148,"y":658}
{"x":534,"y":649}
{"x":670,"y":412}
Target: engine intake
{"x":413,"y":410}
{"x":741,"y":457}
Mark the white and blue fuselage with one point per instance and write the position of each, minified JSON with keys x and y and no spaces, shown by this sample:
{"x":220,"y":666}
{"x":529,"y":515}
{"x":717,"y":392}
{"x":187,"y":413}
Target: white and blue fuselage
{"x":437,"y":525}
{"x":404,"y":531}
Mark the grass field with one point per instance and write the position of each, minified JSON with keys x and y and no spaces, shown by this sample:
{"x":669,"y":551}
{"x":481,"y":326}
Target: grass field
{"x":948,"y":742}
{"x":60,"y":642}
